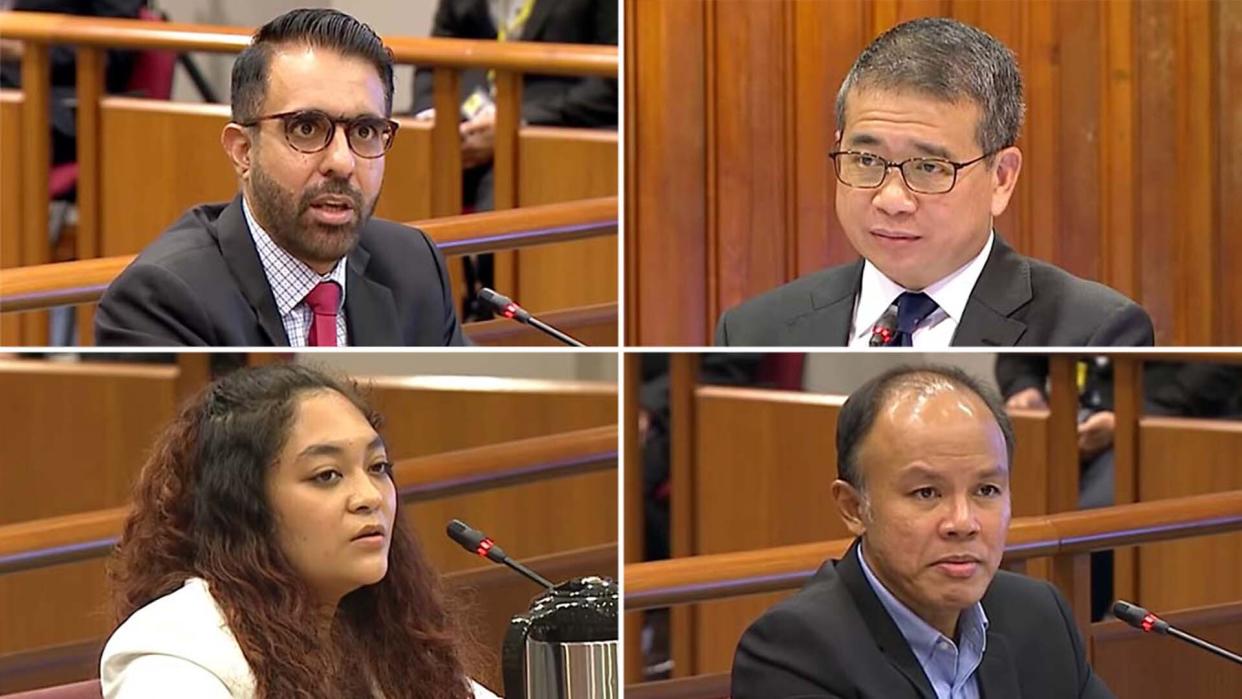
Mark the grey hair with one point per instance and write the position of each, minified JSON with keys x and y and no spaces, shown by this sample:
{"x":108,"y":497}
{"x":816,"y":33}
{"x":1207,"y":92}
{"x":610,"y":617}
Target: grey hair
{"x":946,"y":60}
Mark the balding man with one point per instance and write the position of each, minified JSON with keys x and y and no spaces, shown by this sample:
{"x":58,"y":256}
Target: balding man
{"x":918,"y":608}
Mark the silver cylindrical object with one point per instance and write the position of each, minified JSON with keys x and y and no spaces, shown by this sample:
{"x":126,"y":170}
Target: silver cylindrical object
{"x":572,"y":670}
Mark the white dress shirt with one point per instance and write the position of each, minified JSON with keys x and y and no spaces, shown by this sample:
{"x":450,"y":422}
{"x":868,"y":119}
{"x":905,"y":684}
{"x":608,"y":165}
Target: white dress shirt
{"x":291,"y":280}
{"x":181,"y":646}
{"x":878,"y":292}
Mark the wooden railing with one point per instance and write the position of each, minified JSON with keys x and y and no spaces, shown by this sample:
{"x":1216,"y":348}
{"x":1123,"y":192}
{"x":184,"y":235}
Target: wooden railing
{"x":94,"y":36}
{"x":84,"y":281}
{"x":57,"y":540}
{"x":716,"y":576}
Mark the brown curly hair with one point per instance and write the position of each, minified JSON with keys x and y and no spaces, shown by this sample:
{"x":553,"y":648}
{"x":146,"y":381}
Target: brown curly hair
{"x":200,"y":510}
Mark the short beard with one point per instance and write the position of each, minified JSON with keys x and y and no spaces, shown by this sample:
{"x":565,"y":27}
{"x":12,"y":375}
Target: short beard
{"x":282,"y":215}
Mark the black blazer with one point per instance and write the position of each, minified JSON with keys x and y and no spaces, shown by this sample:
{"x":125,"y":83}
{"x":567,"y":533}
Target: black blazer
{"x":201,"y":283}
{"x":1018,"y":301}
{"x":552,"y":100}
{"x":835,"y":640}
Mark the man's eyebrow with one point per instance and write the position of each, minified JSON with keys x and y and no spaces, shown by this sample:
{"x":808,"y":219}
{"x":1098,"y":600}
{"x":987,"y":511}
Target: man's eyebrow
{"x":923,"y":147}
{"x":917,"y":472}
{"x":862,"y":139}
{"x":932,"y":149}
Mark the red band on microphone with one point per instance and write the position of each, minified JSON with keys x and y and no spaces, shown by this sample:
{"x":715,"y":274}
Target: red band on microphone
{"x":1148,"y":622}
{"x":484,"y":546}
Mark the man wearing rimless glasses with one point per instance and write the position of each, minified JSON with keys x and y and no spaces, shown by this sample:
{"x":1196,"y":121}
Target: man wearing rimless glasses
{"x":296,"y":258}
{"x":924,"y":161}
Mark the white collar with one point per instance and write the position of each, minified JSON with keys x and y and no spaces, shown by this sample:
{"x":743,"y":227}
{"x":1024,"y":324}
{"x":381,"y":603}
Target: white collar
{"x":877,"y":292}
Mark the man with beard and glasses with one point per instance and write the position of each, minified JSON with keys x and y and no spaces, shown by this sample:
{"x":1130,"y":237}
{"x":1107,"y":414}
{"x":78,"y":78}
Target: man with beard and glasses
{"x":295,"y":259}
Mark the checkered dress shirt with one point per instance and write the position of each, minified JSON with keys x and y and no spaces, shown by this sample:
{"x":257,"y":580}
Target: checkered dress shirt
{"x":291,"y":280}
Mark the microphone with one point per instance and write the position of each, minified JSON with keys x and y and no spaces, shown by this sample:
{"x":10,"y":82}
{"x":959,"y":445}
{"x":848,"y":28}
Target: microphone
{"x":1144,"y":620}
{"x":885,"y":327}
{"x":506,"y":307}
{"x":477,"y":542}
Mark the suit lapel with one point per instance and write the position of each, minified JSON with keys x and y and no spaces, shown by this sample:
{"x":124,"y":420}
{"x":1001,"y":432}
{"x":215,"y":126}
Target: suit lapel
{"x":538,"y":16}
{"x":827,"y":323}
{"x":998,"y":677}
{"x":370,"y":312}
{"x":883,"y":629}
{"x":1003,"y":287}
{"x":242,"y":259}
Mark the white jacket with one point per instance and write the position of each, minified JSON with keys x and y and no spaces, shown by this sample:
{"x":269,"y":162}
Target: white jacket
{"x":180,"y":645}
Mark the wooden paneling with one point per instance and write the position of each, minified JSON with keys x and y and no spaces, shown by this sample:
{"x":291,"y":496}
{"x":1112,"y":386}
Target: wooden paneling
{"x":749,"y":64}
{"x":10,"y":198}
{"x":1132,"y":142}
{"x":115,"y":413}
{"x":666,"y":116}
{"x":561,"y":165}
{"x":1229,"y":175}
{"x":146,"y":142}
{"x":1179,"y":456}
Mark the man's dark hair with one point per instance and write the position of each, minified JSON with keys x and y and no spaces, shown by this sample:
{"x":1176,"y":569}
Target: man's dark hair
{"x":950,"y":61}
{"x":314,"y":27}
{"x":858,"y":415}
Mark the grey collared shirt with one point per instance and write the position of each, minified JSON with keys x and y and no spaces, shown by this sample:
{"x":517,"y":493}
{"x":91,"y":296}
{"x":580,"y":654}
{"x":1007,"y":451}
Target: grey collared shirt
{"x":949,"y":666}
{"x":291,"y":280}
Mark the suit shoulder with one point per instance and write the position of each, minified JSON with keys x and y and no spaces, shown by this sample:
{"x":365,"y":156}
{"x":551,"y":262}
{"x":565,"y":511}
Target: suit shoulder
{"x":396,"y":243}
{"x":803,"y":611}
{"x":186,"y":624}
{"x":187,"y":243}
{"x":1020,"y":596}
{"x":763,"y":314}
{"x":1050,"y":280}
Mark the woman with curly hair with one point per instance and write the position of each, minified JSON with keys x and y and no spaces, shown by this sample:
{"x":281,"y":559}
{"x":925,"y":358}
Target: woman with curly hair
{"x":266,"y":556}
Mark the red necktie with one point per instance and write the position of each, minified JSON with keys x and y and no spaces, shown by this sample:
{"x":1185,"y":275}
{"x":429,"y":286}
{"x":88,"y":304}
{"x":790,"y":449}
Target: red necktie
{"x":323,"y":301}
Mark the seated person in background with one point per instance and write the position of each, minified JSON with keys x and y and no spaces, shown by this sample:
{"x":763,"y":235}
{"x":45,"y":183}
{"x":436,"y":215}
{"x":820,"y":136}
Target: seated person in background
{"x":63,"y":60}
{"x":547,"y":100}
{"x":925,"y":159}
{"x":918,"y":607}
{"x":295,"y":259}
{"x":266,"y":555}
{"x":1185,"y":389}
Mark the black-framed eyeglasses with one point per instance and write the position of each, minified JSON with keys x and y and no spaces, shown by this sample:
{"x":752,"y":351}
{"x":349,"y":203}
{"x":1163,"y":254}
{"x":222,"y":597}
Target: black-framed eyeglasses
{"x":923,"y":175}
{"x":310,"y":131}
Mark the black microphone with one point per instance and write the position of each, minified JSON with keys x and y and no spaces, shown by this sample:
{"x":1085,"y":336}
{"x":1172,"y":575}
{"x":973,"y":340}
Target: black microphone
{"x":506,"y":307}
{"x":1144,"y":620}
{"x":884,"y":329}
{"x":476,"y":541}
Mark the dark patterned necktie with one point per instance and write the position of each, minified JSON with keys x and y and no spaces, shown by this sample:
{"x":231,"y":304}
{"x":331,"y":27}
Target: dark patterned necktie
{"x":912,"y":309}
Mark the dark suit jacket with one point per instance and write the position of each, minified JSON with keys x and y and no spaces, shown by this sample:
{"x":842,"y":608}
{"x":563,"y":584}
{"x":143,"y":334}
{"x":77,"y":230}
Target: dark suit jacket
{"x":201,"y":283}
{"x":553,"y":100}
{"x":835,"y":639}
{"x":1017,"y":301}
